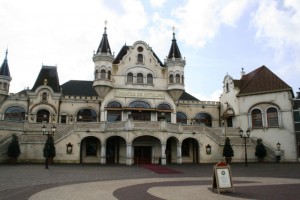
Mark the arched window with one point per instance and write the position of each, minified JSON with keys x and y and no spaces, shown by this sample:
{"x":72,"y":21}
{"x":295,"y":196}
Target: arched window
{"x":44,"y":96}
{"x":149,"y":79}
{"x":140,"y":111}
{"x":109,"y":75}
{"x":102,"y":74}
{"x":203,"y":118}
{"x":15,"y":113}
{"x":129,"y":78}
{"x":177,"y":78}
{"x":171,"y":78}
{"x":140,"y":58}
{"x":42,"y":116}
{"x":114,"y":111}
{"x":256,"y":118}
{"x":96,"y":74}
{"x":164,"y":112}
{"x":181,"y":118}
{"x":182,"y":77}
{"x":227,"y":87}
{"x":86,"y":115}
{"x":140,"y":78}
{"x":272,"y":117}
{"x":139,"y":104}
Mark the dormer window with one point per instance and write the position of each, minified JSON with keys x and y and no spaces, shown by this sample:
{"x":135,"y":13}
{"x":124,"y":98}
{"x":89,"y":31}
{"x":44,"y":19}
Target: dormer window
{"x":140,"y":58}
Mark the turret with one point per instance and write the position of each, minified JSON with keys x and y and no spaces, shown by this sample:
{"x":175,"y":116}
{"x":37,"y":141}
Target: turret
{"x":103,"y":60}
{"x":175,"y":65}
{"x":5,"y":79}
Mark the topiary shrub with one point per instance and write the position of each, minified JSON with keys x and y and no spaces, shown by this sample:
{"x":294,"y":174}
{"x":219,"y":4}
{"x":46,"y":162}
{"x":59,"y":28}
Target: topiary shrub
{"x":260,"y":150}
{"x":228,"y":151}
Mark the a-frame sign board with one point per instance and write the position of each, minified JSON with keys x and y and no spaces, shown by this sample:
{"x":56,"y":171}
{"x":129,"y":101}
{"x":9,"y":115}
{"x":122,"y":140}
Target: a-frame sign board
{"x":222,"y":178}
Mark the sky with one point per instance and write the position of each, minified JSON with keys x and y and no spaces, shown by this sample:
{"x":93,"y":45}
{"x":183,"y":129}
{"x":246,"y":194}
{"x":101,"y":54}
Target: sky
{"x":216,"y":37}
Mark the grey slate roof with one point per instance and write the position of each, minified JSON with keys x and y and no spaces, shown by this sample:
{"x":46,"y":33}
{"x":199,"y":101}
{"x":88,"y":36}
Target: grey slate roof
{"x":78,"y":88}
{"x":174,"y":50}
{"x":50,"y":74}
{"x":187,"y":97}
{"x":4,"y":70}
{"x":104,"y":44}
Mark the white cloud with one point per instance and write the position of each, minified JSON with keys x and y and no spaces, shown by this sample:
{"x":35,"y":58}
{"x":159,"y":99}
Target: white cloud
{"x":201,"y":20}
{"x":157,"y":3}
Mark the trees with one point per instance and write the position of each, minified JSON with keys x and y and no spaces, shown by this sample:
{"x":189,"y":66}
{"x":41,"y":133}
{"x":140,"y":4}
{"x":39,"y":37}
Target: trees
{"x":228,"y":151}
{"x":260,"y":150}
{"x":14,"y":149}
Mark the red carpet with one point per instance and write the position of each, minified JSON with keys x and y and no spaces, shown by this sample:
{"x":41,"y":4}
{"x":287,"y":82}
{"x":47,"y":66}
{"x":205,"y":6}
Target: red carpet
{"x":160,"y":169}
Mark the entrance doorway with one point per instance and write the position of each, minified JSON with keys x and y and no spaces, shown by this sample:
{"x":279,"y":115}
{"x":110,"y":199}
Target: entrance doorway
{"x":142,"y":154}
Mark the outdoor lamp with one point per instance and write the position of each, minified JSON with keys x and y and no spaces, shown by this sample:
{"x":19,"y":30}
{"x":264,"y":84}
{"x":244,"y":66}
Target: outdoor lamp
{"x":208,"y":149}
{"x":278,"y":146}
{"x":69,"y":148}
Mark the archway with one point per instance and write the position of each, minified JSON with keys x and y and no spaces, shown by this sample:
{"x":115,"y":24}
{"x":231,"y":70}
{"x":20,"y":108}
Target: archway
{"x":146,"y":149}
{"x":43,"y":116}
{"x":115,"y":150}
{"x":90,"y":150}
{"x":190,"y":150}
{"x":171,"y":150}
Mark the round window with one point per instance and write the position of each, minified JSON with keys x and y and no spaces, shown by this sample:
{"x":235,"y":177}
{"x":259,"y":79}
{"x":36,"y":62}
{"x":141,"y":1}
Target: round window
{"x":140,"y":49}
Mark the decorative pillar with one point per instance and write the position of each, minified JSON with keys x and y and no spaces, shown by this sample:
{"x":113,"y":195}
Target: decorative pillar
{"x":179,"y":155}
{"x":129,"y":154}
{"x":103,"y":153}
{"x":163,"y":154}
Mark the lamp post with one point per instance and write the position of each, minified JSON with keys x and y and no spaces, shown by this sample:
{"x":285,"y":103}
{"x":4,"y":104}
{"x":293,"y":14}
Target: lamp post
{"x":245,"y":135}
{"x":278,"y":152}
{"x":49,"y":148}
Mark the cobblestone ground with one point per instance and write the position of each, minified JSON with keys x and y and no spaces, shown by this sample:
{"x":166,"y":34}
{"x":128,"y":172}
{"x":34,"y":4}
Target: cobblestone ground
{"x":23,"y":180}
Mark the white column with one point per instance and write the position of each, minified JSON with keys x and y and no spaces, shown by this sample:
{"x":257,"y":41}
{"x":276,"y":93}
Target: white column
{"x":103,"y":153}
{"x":179,"y":156}
{"x":129,"y":154}
{"x":163,"y":154}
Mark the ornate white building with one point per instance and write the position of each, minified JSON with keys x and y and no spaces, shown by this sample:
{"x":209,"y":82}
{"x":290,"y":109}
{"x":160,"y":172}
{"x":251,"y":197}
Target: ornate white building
{"x":136,"y":110}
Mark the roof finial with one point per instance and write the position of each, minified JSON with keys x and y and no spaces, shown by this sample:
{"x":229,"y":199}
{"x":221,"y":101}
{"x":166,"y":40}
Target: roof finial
{"x":173,"y":28}
{"x":105,"y":23}
{"x":6,"y":53}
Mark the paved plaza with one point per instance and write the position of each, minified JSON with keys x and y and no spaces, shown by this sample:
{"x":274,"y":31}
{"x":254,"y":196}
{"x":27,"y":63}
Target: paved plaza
{"x":61,"y":181}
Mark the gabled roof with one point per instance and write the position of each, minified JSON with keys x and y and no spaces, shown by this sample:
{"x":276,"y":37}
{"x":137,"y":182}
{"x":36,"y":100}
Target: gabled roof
{"x":187,"y":97}
{"x":104,"y":44}
{"x":124,"y":51}
{"x":4,"y":70}
{"x":261,"y":80}
{"x":47,"y":76}
{"x":78,"y":88}
{"x":174,"y":50}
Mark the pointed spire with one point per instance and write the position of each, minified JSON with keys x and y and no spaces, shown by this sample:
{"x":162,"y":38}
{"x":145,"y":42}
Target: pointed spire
{"x":4,"y":70}
{"x":104,"y":44}
{"x":174,"y":50}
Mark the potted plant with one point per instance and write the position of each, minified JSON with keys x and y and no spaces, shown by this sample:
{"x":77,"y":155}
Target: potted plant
{"x":228,"y":151}
{"x":14,"y":149}
{"x":260,"y":150}
{"x":49,"y":151}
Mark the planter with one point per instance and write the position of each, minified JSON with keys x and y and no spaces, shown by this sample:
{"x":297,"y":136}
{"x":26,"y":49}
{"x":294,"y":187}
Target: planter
{"x":228,"y":160}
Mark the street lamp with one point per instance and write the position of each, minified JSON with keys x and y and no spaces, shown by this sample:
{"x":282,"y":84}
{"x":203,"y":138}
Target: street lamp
{"x":49,"y":148}
{"x":245,"y":135}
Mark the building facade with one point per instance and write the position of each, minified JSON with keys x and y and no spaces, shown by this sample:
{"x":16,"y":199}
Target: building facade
{"x":136,"y":111}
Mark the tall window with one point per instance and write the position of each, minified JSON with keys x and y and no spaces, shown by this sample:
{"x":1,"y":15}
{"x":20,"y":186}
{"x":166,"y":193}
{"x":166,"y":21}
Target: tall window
{"x":43,"y":115}
{"x":109,"y":75}
{"x":129,"y":78}
{"x":102,"y":74}
{"x":44,"y":96}
{"x":177,"y":78}
{"x":140,"y":78}
{"x":15,"y":113}
{"x":272,"y":117}
{"x":171,"y":78}
{"x":164,"y":112}
{"x":256,"y":117}
{"x":140,"y":58}
{"x":181,"y":118}
{"x":114,"y":111}
{"x":149,"y":79}
{"x":182,"y":77}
